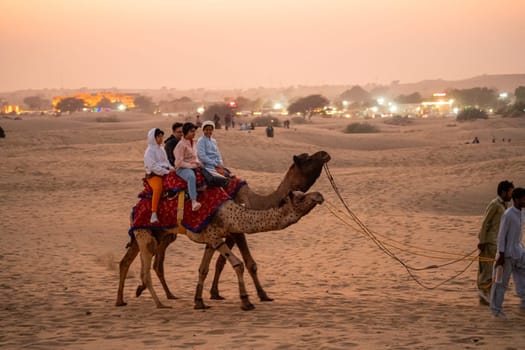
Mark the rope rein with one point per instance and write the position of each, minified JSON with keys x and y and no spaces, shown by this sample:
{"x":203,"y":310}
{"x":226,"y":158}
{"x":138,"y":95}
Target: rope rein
{"x":367,"y":233}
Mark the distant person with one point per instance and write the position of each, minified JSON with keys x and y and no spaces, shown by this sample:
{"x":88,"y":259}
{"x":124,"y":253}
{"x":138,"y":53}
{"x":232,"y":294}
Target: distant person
{"x":2,"y":132}
{"x":493,"y":139}
{"x":269,"y":131}
{"x":198,"y":121}
{"x":487,"y":238}
{"x":157,"y":165}
{"x":511,"y":255}
{"x":186,"y":161}
{"x":476,"y":140}
{"x":227,"y":121}
{"x":217,"y":121}
{"x":171,"y":142}
{"x":233,"y":121}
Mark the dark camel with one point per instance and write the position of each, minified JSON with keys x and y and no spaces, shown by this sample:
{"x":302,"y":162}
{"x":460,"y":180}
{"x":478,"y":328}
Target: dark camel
{"x":301,"y":175}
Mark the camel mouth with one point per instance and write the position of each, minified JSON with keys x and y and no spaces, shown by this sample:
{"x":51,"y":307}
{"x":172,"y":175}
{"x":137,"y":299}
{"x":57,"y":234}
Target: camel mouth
{"x":324,"y":156}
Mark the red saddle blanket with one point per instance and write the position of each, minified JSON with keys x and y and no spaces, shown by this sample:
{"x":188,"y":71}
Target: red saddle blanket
{"x":195,"y":221}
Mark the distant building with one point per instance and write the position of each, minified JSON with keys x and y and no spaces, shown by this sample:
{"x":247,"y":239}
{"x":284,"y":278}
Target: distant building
{"x":438,"y":105}
{"x":92,"y":100}
{"x":11,"y":109}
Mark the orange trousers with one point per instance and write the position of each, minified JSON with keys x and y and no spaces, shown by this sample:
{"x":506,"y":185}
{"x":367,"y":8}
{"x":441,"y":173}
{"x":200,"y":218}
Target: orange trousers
{"x":156,"y":185}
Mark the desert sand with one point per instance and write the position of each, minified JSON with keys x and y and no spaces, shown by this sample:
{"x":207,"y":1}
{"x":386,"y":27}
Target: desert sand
{"x":68,"y":185}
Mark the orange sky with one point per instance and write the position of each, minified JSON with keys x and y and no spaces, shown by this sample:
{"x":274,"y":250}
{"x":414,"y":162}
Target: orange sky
{"x":249,"y":43}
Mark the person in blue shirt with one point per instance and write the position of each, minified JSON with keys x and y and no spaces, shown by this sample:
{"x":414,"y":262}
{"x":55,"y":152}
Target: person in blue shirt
{"x":208,"y":151}
{"x":510,"y":256}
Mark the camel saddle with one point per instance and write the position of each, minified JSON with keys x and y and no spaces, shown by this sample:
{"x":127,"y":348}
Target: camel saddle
{"x":211,"y":199}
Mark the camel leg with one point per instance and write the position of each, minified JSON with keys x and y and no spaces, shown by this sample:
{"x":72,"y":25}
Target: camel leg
{"x":147,"y":246}
{"x":203,"y":272}
{"x":239,"y":270}
{"x":251,"y":265}
{"x":158,"y":263}
{"x":219,"y":266}
{"x":124,"y":265}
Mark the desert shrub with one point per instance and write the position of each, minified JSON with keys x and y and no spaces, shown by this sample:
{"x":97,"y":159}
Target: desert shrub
{"x":398,"y":120}
{"x":266,"y":120}
{"x":107,"y":119}
{"x":360,"y":128}
{"x":468,"y":114}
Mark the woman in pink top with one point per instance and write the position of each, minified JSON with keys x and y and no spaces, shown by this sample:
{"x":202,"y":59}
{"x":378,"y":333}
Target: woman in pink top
{"x":186,"y":161}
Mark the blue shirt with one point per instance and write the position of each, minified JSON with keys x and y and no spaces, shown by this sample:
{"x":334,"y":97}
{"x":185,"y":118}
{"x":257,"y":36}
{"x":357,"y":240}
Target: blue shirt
{"x":510,"y":233}
{"x":208,"y":152}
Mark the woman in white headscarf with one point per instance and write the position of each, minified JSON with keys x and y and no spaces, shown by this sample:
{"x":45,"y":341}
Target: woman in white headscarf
{"x":157,"y":165}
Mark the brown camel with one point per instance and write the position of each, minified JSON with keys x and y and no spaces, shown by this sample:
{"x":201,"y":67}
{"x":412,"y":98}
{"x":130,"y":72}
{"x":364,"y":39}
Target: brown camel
{"x":301,"y":175}
{"x":230,"y":219}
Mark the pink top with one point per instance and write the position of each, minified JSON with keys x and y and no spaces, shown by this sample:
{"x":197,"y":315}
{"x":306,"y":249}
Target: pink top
{"x":186,"y":154}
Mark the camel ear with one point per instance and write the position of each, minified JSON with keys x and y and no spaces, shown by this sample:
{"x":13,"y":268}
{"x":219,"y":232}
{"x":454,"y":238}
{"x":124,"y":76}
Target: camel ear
{"x":299,"y":159}
{"x":297,"y":194}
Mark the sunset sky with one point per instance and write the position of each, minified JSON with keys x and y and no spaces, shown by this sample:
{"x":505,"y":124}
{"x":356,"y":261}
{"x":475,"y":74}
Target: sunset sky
{"x":250,"y":43}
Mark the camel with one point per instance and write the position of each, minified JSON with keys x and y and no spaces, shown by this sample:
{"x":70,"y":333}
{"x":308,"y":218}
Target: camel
{"x":301,"y":175}
{"x":230,"y":219}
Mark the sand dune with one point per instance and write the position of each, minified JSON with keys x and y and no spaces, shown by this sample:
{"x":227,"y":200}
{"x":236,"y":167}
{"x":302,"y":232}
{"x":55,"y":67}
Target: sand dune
{"x":68,"y":185}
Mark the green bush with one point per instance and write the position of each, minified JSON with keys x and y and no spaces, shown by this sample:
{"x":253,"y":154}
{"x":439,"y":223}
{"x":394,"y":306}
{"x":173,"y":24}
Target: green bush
{"x":471,"y":114}
{"x":361,"y":128}
{"x":266,"y":120}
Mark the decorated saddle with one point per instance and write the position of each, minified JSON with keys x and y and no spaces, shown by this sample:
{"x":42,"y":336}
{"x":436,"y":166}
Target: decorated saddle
{"x":211,"y":199}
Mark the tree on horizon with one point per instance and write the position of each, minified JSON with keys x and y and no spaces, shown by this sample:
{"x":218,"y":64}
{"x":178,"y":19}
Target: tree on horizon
{"x":412,"y":98}
{"x":478,"y":96}
{"x":307,"y":105}
{"x":36,"y":102}
{"x":355,"y":94}
{"x":145,"y":104}
{"x":519,"y":94}
{"x":70,"y":104}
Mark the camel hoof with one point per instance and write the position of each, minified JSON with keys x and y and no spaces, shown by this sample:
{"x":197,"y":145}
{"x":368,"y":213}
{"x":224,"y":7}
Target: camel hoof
{"x":171,"y":296}
{"x":265,"y":298}
{"x":200,"y":306}
{"x":120,"y":303}
{"x":162,"y":306}
{"x":247,"y":307}
{"x":216,"y":296}
{"x":139,"y":290}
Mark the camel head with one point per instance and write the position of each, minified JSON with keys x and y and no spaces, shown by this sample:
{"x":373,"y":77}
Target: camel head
{"x":306,"y":169}
{"x":300,"y":203}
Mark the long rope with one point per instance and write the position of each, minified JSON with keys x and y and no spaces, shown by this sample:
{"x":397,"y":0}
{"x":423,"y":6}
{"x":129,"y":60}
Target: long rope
{"x":401,"y":246}
{"x":382,"y":246}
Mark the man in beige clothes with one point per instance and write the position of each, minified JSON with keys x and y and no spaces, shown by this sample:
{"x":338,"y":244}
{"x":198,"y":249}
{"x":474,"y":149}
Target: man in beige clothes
{"x":488,"y":237}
